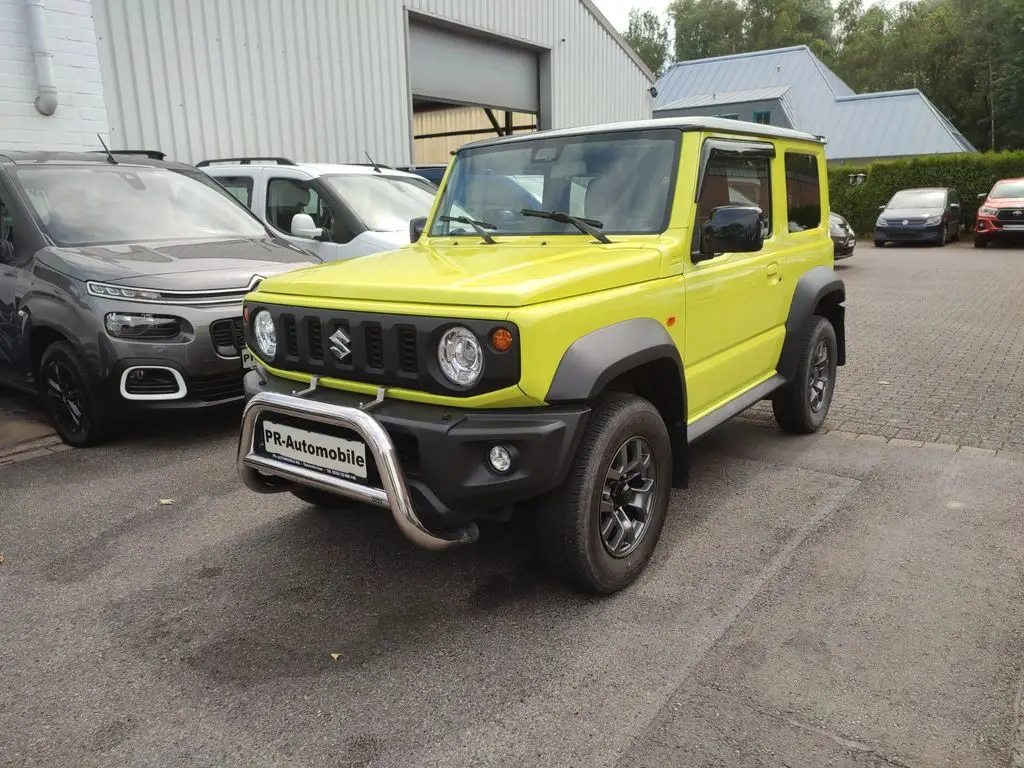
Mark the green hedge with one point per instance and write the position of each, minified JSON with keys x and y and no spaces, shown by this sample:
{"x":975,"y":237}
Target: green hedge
{"x":969,"y":174}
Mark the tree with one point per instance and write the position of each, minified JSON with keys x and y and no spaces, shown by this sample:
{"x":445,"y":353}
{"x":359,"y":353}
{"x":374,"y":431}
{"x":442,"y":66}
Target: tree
{"x":706,"y":28}
{"x":648,"y":36}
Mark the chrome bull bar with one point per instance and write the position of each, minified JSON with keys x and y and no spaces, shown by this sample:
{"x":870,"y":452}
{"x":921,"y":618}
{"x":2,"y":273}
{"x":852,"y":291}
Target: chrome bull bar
{"x":394,"y":495}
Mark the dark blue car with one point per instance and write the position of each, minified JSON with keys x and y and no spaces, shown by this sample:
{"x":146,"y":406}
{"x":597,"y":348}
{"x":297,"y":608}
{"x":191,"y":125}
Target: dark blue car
{"x":930,"y":215}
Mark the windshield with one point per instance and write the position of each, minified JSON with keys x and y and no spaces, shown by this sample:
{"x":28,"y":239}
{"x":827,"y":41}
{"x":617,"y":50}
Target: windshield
{"x":1007,"y":189}
{"x":919,"y":198}
{"x":384,"y":203}
{"x":122,"y":204}
{"x":624,"y":181}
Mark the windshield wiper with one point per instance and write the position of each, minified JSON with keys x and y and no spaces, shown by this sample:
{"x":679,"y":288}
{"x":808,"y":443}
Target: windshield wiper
{"x":588,"y":226}
{"x":481,"y":227}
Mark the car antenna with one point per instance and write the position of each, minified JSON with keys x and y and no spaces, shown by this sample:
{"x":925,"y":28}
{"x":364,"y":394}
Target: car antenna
{"x":376,"y":168}
{"x":110,"y":155}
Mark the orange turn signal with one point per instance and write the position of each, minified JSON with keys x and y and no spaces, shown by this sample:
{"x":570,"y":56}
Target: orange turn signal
{"x":501,"y":340}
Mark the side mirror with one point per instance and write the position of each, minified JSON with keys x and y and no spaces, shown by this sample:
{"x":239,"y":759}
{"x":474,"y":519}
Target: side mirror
{"x":732,"y":229}
{"x":983,"y":195}
{"x":955,"y":206}
{"x":881,"y":208}
{"x":303,"y":226}
{"x":416,"y":227}
{"x":6,"y":252}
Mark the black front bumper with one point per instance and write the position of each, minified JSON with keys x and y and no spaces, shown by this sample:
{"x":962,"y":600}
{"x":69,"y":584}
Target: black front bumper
{"x":443,"y":451}
{"x":927,"y":233}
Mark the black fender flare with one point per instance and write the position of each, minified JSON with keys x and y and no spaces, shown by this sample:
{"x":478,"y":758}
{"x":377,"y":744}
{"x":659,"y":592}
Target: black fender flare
{"x":816,"y":288}
{"x":596,"y":359}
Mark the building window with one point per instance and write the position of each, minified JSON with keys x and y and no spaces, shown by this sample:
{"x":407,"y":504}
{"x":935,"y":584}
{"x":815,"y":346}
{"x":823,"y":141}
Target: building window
{"x":731,"y":116}
{"x":732,"y":180}
{"x":803,"y":192}
{"x":763,"y":116}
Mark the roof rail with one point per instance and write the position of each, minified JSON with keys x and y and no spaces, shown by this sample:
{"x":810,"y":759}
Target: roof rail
{"x":246,"y":161}
{"x":152,"y":154}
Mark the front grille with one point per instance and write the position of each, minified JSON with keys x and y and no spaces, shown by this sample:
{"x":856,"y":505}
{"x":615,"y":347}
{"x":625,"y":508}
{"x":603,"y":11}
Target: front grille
{"x":383,"y":350}
{"x":1009,"y":215}
{"x":228,"y":336}
{"x":222,"y":386}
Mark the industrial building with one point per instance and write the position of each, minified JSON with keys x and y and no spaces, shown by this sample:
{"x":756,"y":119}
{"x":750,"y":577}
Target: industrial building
{"x":314,"y":80}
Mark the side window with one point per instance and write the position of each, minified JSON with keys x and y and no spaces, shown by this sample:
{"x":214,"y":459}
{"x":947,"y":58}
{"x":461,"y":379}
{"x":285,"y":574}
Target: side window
{"x":240,"y":188}
{"x":6,"y":223}
{"x":287,"y":197}
{"x":733,"y":180}
{"x":803,"y":192}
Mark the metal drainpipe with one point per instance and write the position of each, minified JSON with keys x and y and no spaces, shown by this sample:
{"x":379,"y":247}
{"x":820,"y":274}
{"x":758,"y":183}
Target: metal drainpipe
{"x":46,"y":101}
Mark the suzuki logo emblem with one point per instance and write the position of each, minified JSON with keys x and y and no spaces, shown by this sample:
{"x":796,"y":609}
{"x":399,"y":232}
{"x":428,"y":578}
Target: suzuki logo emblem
{"x":905,"y":221}
{"x":340,"y":345}
{"x":1018,"y":213}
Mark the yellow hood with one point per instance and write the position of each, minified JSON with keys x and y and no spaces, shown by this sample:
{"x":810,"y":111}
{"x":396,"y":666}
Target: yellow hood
{"x":511,"y":273}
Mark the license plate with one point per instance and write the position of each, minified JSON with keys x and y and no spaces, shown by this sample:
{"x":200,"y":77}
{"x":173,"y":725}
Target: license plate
{"x":334,"y":455}
{"x":248,"y":361}
{"x":1014,"y":227}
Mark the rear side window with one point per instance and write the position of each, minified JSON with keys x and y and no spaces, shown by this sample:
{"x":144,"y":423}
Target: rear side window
{"x":734,"y":180}
{"x":803,"y":192}
{"x":6,"y":223}
{"x":240,"y":188}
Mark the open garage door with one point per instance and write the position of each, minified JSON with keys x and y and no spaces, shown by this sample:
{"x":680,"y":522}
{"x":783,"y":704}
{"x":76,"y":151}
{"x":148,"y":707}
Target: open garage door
{"x":467,"y":87}
{"x":462,"y":69}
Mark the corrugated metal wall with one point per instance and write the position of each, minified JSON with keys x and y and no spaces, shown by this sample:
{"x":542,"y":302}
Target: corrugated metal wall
{"x":325,"y":80}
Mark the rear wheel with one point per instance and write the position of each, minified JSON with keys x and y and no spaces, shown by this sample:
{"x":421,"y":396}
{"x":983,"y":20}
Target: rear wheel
{"x":71,"y":397}
{"x":802,"y":405}
{"x":600,"y":528}
{"x":879,"y":243}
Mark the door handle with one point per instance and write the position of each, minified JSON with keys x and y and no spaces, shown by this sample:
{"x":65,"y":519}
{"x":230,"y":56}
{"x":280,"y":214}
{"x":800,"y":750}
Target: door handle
{"x":773,"y":273}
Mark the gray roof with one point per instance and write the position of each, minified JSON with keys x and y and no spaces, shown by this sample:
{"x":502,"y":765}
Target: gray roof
{"x":683,"y":123}
{"x":728,"y":97}
{"x":887,"y":124}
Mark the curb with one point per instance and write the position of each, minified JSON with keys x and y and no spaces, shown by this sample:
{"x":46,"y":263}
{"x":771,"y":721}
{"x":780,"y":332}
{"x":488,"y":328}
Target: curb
{"x":32,"y":449}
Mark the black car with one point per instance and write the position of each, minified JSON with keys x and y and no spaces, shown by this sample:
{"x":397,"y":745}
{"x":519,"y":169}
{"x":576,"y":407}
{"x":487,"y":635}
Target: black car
{"x":432,"y":173}
{"x":927,"y":215}
{"x":844,"y":239}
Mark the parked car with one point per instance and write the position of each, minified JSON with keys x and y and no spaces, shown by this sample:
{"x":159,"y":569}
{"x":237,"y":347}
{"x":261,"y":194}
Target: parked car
{"x":926,"y":215}
{"x":567,"y":354}
{"x":1001,"y":215}
{"x":843,"y":237}
{"x":121,"y":284}
{"x":432,"y":172}
{"x":335,"y":211}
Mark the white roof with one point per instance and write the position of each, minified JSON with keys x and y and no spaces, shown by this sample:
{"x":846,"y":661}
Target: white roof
{"x":724,"y":125}
{"x":314,"y":169}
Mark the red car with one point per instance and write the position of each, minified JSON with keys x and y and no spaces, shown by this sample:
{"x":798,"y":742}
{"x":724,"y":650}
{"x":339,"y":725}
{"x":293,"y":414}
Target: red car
{"x":1001,"y":215}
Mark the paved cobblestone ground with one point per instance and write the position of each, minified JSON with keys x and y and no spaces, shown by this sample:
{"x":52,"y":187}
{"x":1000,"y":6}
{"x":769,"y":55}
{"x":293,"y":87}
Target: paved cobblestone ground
{"x":935,"y":347}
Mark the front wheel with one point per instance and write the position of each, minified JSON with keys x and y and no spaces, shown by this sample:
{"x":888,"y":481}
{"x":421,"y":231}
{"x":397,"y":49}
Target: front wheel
{"x":802,"y":405}
{"x":980,"y":242}
{"x":879,"y":243}
{"x":70,"y":395}
{"x":600,"y":528}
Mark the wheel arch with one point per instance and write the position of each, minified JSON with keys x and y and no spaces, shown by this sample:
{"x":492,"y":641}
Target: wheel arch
{"x":636,"y":356}
{"x":818,"y":292}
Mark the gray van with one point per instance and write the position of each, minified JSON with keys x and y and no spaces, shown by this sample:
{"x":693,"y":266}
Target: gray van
{"x":121,"y":285}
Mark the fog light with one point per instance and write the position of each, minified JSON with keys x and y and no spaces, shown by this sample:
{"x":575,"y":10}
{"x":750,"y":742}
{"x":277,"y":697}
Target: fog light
{"x":500,"y":459}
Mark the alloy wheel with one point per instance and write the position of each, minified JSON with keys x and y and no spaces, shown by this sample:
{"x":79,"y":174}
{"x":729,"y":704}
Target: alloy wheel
{"x":64,"y":397}
{"x":820,"y":377}
{"x":627,"y":497}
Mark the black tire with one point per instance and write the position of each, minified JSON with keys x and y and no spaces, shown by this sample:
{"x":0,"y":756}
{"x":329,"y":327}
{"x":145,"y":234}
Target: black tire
{"x":70,"y":395}
{"x":570,"y":518}
{"x":794,"y":409}
{"x":956,"y":234}
{"x":879,"y":243}
{"x":322,"y":499}
{"x":980,"y":242}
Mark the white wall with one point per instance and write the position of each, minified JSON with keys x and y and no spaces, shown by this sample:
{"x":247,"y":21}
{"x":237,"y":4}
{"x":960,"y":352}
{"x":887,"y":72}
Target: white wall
{"x":325,"y":80}
{"x":81,"y":111}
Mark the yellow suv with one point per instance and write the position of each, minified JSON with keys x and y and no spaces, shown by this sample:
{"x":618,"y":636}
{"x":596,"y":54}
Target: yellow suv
{"x":578,"y":308}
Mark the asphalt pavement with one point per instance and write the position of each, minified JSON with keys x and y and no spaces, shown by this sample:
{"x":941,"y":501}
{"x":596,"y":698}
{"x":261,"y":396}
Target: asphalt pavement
{"x":815,"y":601}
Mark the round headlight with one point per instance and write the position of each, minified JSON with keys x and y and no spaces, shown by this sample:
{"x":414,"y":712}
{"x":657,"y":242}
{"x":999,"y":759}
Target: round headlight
{"x":266,"y":335}
{"x":461,"y":357}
